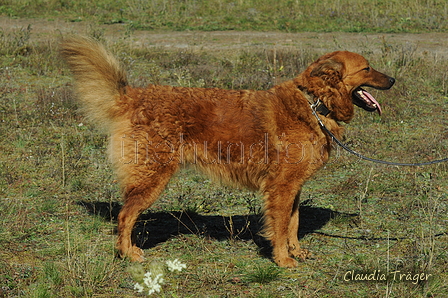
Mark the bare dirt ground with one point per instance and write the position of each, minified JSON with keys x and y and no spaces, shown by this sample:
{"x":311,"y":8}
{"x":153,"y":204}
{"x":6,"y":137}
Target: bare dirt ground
{"x":426,"y":43}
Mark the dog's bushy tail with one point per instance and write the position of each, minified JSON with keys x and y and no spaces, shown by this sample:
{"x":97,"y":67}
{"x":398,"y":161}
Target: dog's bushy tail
{"x":100,"y":80}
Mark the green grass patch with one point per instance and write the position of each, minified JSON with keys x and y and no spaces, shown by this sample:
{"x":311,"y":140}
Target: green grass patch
{"x":267,"y":15}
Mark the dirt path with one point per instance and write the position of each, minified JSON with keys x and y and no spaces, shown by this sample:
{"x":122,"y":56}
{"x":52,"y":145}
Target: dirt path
{"x":428,"y":43}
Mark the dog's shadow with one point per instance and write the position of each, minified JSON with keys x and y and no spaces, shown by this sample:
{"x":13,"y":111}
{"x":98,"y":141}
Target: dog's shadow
{"x":153,"y":228}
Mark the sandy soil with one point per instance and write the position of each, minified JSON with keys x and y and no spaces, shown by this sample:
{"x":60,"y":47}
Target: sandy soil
{"x":427,"y":43}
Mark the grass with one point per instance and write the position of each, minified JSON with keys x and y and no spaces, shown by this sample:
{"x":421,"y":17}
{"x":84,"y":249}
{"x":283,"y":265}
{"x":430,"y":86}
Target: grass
{"x":290,"y":16}
{"x":264,"y":275}
{"x":59,"y":198}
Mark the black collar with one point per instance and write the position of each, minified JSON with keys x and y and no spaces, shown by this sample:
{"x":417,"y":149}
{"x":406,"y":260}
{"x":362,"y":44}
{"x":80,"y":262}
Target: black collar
{"x":320,"y":107}
{"x":316,"y":105}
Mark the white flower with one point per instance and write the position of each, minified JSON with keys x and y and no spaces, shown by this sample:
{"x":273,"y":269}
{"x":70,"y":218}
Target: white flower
{"x":153,"y":284}
{"x":175,"y":265}
{"x":153,"y":279}
{"x":138,"y":287}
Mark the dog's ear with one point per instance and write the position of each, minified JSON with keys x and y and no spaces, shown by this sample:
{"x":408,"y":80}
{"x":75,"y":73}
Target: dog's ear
{"x":328,"y":67}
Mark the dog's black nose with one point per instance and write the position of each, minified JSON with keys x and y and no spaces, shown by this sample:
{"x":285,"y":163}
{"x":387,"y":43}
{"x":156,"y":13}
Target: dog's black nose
{"x":391,"y":81}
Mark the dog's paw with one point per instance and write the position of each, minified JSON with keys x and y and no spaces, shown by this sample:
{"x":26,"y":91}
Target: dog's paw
{"x":287,"y":262}
{"x":134,"y":254}
{"x":301,"y":253}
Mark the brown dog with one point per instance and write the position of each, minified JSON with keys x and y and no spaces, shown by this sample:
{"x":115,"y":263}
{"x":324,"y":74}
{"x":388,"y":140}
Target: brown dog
{"x":264,"y":140}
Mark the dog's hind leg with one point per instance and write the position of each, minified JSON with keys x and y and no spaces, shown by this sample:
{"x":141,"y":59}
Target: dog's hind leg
{"x":140,"y":191}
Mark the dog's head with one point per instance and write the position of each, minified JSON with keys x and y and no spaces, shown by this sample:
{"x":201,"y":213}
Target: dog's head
{"x":346,"y":73}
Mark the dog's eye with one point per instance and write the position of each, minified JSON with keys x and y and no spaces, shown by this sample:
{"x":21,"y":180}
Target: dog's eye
{"x":367,"y":69}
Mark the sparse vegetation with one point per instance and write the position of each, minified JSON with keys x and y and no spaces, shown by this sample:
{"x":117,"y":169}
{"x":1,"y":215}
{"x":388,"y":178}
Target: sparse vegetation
{"x":59,"y":198}
{"x":290,"y":16}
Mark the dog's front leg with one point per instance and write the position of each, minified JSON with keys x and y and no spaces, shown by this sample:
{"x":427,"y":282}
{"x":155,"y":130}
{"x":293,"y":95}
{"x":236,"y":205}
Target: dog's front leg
{"x":281,"y":205}
{"x":293,"y":233}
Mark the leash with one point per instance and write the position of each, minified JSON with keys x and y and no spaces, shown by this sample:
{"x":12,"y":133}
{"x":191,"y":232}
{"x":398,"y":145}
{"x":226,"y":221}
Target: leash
{"x":318,"y":103}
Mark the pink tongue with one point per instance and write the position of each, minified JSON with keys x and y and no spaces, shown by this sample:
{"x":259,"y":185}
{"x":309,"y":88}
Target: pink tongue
{"x":373,"y":100}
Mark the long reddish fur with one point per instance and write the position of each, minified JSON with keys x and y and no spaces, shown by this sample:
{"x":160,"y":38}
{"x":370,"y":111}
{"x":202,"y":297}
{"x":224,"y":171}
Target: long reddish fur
{"x":268,"y":141}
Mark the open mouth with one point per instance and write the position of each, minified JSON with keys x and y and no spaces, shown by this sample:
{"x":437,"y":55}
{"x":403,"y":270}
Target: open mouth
{"x":365,"y":100}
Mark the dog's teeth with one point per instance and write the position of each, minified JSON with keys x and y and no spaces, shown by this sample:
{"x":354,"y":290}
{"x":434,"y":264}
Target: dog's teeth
{"x":361,"y":94}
